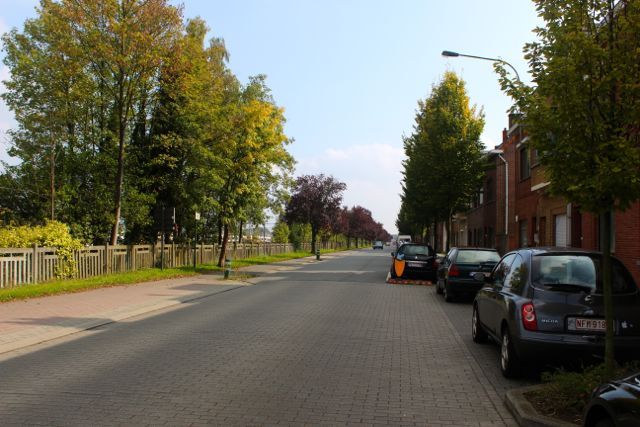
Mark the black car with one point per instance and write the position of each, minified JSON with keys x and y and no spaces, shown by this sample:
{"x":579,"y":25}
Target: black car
{"x":456,"y":271}
{"x":413,"y":260}
{"x":546,"y":305}
{"x":615,"y":404}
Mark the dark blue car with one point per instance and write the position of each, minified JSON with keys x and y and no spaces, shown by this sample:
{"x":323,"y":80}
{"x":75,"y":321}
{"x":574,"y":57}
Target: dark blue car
{"x":615,"y":404}
{"x":546,"y":305}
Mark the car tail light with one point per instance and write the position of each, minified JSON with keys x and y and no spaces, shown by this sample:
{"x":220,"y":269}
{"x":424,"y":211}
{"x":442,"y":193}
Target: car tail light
{"x":453,"y":270}
{"x":529,"y":317}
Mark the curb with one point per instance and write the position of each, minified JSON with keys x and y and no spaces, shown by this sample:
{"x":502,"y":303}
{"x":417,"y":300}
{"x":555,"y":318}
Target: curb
{"x":524,"y":412}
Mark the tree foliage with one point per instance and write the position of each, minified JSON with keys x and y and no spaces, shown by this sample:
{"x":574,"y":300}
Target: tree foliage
{"x":315,"y":201}
{"x":444,"y":165}
{"x":582,"y":112}
{"x":125,"y":117}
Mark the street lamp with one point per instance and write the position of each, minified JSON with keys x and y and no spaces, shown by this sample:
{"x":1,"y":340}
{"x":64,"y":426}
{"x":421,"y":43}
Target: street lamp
{"x":506,"y":192}
{"x":502,"y":61}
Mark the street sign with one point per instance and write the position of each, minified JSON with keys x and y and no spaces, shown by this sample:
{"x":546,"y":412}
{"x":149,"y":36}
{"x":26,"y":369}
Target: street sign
{"x":197,"y":216}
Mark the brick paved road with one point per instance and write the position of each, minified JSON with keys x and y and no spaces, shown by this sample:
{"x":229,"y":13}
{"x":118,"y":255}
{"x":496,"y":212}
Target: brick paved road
{"x":328,"y":343}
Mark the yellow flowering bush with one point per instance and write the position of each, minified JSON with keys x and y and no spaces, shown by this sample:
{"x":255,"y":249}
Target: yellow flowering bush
{"x":52,"y":235}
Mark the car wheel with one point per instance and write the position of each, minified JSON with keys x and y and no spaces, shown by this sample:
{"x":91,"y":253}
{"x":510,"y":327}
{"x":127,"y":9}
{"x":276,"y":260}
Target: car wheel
{"x":393,"y":272}
{"x":509,"y":363}
{"x":438,"y":288}
{"x":478,"y":333}
{"x":605,"y":422}
{"x":448,"y":296}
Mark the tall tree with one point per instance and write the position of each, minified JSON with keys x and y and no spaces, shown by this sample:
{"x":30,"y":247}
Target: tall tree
{"x":124,"y":43}
{"x":254,"y":162}
{"x":582,"y":115}
{"x":444,"y":165}
{"x":315,"y":201}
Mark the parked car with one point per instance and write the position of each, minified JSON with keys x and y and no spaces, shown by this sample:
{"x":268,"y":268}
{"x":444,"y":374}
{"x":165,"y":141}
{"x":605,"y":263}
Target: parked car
{"x":546,"y":305}
{"x":414,"y":259}
{"x":456,"y":271}
{"x":378,"y":244}
{"x":615,"y":404}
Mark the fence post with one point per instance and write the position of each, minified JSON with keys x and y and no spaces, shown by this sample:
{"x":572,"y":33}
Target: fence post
{"x":34,"y":264}
{"x":106,"y":259}
{"x":133,"y":252}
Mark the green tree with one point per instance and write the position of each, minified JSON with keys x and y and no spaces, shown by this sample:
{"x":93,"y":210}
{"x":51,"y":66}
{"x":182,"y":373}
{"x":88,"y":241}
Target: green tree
{"x":444,"y":165}
{"x":124,"y":44}
{"x":582,"y":115}
{"x":280,"y":232}
{"x":254,"y":162}
{"x":176,"y":158}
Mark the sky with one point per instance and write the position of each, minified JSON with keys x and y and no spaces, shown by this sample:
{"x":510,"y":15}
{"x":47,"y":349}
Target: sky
{"x":349,"y":74}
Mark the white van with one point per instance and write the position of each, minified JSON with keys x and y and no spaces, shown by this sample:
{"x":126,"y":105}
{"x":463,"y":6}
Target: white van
{"x":399,"y":240}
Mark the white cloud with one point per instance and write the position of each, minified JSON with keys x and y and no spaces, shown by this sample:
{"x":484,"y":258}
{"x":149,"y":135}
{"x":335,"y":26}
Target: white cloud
{"x":334,"y":154}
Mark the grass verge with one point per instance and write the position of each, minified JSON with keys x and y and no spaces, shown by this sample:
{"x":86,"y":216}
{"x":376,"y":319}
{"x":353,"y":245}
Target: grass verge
{"x":139,"y":276}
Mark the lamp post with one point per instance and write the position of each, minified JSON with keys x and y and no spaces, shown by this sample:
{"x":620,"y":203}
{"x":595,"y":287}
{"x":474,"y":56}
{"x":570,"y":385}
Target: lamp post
{"x":502,"y":61}
{"x":506,"y":193}
{"x":452,"y":54}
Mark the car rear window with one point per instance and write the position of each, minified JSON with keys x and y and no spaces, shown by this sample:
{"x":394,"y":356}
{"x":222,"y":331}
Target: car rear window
{"x":580,"y":271}
{"x":477,"y":257}
{"x":417,"y":250}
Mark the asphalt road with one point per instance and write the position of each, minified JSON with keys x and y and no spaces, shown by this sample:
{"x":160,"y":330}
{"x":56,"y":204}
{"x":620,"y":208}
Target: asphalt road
{"x":328,"y":343}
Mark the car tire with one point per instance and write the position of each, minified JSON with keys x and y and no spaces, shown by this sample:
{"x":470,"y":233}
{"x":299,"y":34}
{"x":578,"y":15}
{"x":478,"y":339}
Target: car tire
{"x":509,"y":361}
{"x":448,"y":296}
{"x":438,"y":288}
{"x":393,"y":272}
{"x":478,"y":333}
{"x":604,"y":422}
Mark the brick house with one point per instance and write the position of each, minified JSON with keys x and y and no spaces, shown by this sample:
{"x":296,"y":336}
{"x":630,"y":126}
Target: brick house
{"x":538,"y":219}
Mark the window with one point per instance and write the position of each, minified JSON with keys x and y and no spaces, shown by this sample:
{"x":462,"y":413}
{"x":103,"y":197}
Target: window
{"x":523,"y":238}
{"x":502,"y":269}
{"x":525,"y":166}
{"x":517,"y":276}
{"x":489,"y":190}
{"x":535,"y":158}
{"x":560,"y":231}
{"x":477,"y":257}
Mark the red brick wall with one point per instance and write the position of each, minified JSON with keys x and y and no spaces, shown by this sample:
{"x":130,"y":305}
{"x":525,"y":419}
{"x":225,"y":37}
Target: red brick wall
{"x":627,"y":237}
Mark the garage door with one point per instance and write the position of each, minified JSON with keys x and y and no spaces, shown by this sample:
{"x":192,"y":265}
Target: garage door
{"x":561,"y":230}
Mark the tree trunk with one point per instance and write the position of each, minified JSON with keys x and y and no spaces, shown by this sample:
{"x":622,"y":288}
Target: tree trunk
{"x":52,"y":180}
{"x":448,"y":228}
{"x":120,"y":177}
{"x":240,"y":232}
{"x":609,"y":356}
{"x":223,"y":248}
{"x":435,"y":236}
{"x":219,"y":232}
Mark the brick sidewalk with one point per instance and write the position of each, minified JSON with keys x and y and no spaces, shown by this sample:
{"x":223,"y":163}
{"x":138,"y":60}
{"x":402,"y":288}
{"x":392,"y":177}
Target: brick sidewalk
{"x":33,"y":321}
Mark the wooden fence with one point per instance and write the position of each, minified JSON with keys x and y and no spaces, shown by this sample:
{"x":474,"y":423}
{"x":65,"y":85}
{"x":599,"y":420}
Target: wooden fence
{"x":20,"y":267}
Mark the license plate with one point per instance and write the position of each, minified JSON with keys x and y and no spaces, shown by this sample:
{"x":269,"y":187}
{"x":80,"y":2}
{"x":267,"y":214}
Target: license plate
{"x":415,"y":264}
{"x":583,"y":324}
{"x":486,"y":274}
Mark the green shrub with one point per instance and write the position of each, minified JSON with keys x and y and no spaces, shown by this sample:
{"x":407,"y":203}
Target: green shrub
{"x":52,"y":235}
{"x":566,"y":391}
